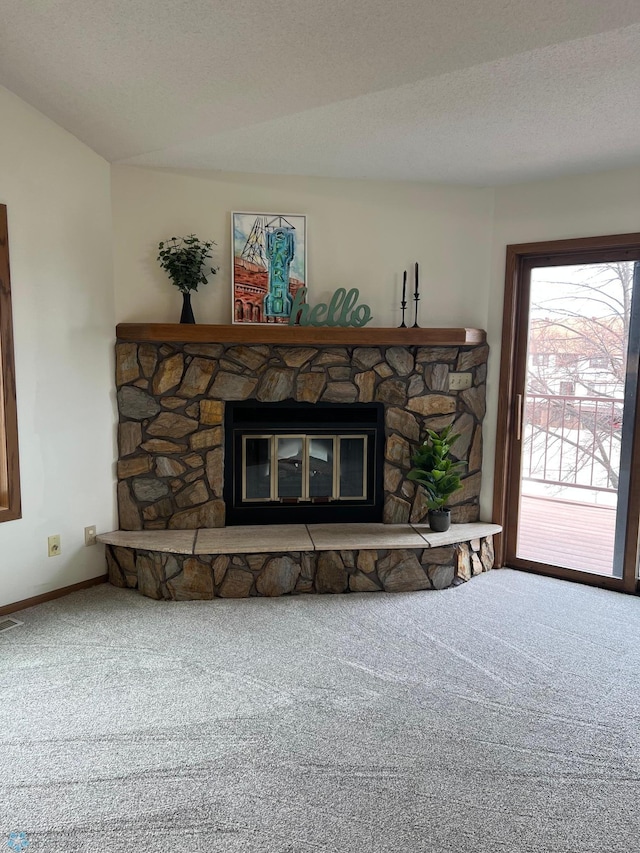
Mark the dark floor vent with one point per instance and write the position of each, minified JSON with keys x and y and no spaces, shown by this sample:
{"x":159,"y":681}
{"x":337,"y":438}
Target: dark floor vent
{"x":8,"y":622}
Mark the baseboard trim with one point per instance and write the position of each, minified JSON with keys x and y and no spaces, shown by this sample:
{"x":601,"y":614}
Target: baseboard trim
{"x":50,"y":596}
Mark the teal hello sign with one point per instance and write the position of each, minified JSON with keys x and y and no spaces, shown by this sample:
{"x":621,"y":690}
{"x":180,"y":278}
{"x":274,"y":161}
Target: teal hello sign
{"x":343,"y":310}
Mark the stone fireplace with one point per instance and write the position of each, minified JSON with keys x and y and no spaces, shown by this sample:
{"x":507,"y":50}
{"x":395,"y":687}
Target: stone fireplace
{"x":178,"y":410}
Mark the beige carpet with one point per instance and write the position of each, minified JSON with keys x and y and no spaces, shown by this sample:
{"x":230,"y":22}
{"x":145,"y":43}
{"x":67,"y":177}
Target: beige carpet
{"x":499,"y":716}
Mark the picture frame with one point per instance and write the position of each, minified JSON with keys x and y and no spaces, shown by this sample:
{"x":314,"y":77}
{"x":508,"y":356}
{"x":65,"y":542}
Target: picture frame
{"x":268,"y":265}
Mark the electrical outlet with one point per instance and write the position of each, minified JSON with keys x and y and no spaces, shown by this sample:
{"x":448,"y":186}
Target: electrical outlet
{"x":54,"y":545}
{"x":460,"y":381}
{"x":90,"y":535}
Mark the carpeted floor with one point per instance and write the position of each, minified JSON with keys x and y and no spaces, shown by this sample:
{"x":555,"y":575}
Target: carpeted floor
{"x":500,"y":716}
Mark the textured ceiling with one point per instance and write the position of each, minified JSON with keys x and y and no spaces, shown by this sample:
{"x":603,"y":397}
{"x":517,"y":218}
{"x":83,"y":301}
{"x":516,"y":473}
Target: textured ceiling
{"x":481,"y":92}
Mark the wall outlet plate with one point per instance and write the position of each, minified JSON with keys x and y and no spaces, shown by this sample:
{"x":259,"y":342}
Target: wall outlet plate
{"x":90,"y":535}
{"x":460,"y":381}
{"x":54,"y":545}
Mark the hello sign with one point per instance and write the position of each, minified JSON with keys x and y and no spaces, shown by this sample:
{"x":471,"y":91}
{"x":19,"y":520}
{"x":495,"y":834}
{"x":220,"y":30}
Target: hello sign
{"x":343,"y":310}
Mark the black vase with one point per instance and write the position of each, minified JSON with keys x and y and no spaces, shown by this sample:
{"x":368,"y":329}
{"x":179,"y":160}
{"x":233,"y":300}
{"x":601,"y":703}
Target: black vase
{"x":439,"y":520}
{"x":187,"y":313}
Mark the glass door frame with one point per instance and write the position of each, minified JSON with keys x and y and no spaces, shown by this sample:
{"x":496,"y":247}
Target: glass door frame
{"x":520,"y":260}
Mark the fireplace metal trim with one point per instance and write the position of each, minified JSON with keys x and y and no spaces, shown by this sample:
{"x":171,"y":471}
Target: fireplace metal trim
{"x":368,"y":425}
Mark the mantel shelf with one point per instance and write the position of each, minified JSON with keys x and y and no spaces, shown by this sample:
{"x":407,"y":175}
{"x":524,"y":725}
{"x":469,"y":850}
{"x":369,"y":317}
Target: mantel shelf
{"x":304,"y":335}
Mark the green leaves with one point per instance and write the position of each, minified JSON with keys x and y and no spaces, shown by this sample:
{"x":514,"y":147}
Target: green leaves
{"x":184,"y":259}
{"x":434,"y":470}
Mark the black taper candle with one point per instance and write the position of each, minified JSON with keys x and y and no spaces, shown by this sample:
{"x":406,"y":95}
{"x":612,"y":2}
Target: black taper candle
{"x":416,"y":297}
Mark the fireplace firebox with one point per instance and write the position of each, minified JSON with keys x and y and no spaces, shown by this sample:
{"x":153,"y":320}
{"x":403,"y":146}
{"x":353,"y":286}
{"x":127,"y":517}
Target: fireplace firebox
{"x":291,"y":463}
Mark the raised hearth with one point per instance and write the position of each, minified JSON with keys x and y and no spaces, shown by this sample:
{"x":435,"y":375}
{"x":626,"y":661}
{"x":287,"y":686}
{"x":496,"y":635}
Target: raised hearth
{"x":238,"y":562}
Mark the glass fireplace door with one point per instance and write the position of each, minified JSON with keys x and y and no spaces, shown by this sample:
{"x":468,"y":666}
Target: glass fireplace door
{"x":299,"y":463}
{"x":304,"y":467}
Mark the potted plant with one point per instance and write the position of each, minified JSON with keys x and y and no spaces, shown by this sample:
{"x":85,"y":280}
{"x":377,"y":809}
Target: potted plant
{"x":435,"y":470}
{"x":185,"y":259}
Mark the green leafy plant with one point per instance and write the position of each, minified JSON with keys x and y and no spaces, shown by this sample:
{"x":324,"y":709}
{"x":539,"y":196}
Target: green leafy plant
{"x":435,"y":470}
{"x":184,"y":259}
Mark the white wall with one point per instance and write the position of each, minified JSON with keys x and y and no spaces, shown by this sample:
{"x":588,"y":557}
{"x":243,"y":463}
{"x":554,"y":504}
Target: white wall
{"x":586,"y":206}
{"x":360,"y":234}
{"x":60,"y":239}
{"x":363,"y":233}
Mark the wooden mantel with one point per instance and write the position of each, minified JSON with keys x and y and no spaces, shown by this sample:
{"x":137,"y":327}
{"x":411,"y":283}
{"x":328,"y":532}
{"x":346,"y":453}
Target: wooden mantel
{"x":282,"y":334}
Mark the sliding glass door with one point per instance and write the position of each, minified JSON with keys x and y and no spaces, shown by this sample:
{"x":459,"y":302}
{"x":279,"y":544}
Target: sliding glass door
{"x":571,"y":504}
{"x":573,"y":412}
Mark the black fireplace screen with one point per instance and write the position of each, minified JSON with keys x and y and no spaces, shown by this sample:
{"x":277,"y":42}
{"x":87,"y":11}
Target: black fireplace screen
{"x":303,"y":463}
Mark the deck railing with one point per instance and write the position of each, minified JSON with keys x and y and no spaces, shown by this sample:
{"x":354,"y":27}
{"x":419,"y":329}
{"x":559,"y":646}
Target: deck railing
{"x":572,"y":441}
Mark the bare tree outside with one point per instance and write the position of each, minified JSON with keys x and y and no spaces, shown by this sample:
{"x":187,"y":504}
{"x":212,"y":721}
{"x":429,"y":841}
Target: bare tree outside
{"x":578,"y":337}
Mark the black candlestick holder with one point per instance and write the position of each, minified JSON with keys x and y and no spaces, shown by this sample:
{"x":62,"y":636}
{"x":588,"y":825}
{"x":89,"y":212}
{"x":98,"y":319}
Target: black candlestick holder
{"x":403,"y":303}
{"x":416,"y":299}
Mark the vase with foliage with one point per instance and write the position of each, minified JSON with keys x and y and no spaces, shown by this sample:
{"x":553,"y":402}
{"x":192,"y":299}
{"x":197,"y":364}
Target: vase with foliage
{"x":438,"y":474}
{"x":185,"y":260}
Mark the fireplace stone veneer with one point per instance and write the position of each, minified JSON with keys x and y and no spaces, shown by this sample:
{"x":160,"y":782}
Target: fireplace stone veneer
{"x":171,"y":402}
{"x":294,"y":559}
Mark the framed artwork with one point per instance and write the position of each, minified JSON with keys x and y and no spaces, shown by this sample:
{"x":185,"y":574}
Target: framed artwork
{"x":269,"y":265}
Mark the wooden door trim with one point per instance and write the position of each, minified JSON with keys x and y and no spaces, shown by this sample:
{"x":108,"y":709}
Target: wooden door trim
{"x":506,"y":398}
{"x":10,"y":506}
{"x":547,"y":253}
{"x":589,"y":578}
{"x":632,"y":531}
